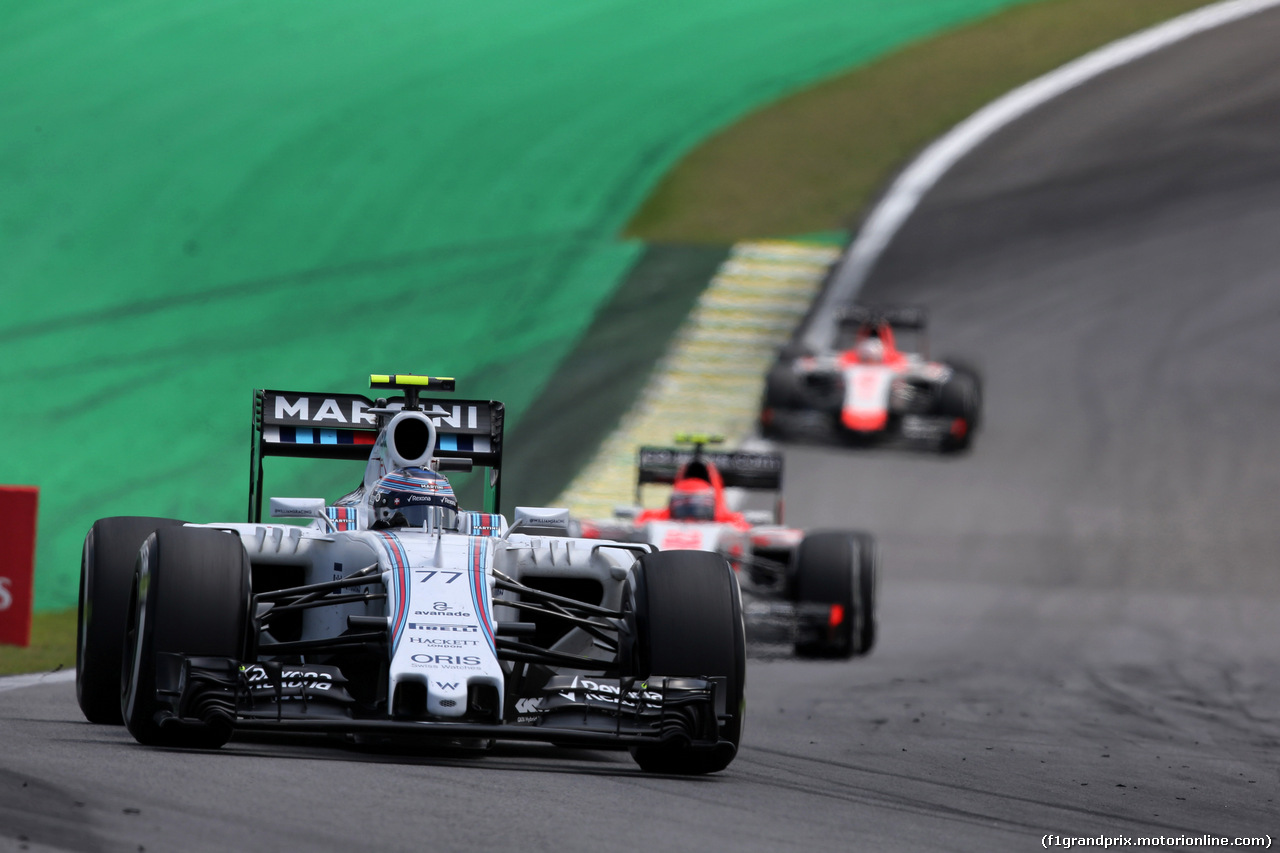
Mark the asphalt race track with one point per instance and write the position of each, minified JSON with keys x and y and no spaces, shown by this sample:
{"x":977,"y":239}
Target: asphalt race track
{"x":1079,"y":630}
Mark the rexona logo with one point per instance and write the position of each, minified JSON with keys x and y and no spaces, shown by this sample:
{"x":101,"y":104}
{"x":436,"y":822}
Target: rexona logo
{"x":455,"y":629}
{"x":6,"y":597}
{"x":466,"y":661}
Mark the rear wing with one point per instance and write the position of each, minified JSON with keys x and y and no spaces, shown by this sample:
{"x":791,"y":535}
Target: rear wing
{"x":304,"y":424}
{"x":740,"y":469}
{"x":911,"y":317}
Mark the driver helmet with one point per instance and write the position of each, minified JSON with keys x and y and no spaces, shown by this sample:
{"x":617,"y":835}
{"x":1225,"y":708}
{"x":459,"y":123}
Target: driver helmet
{"x":693,"y":500}
{"x":414,"y":497}
{"x":871,"y":351}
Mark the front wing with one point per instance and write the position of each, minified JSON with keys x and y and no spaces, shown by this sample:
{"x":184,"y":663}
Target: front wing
{"x":587,"y":711}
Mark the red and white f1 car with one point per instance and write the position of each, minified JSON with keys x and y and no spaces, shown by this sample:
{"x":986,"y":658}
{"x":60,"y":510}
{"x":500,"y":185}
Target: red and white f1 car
{"x":814,"y":591}
{"x":878,"y":383}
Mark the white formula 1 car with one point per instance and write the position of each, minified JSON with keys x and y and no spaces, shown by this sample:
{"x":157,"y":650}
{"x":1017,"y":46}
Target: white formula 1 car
{"x":391,"y":614}
{"x":814,"y":591}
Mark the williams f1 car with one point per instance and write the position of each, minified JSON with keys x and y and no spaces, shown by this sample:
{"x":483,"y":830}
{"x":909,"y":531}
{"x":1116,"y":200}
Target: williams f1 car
{"x":877,"y":383}
{"x":812,"y":591}
{"x":391,"y":615}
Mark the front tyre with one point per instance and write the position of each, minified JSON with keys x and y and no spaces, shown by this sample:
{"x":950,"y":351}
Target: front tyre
{"x":687,"y":615}
{"x":190,"y":597}
{"x":835,"y":590}
{"x":106,"y":578}
{"x":960,"y":398}
{"x":780,"y":396}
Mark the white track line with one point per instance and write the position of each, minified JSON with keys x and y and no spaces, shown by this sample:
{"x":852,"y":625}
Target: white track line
{"x":927,"y":169}
{"x":13,"y":682}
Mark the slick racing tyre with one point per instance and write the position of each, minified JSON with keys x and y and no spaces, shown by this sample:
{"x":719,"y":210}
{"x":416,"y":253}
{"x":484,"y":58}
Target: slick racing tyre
{"x":780,"y":394}
{"x":837,"y":572}
{"x":964,"y":368}
{"x":687,"y":616}
{"x":190,"y":596}
{"x":106,"y":576}
{"x":961,"y":398}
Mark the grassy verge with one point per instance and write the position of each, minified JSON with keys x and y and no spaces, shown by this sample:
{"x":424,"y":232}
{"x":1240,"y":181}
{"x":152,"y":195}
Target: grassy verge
{"x":200,"y":199}
{"x":53,"y":645}
{"x":812,"y":161}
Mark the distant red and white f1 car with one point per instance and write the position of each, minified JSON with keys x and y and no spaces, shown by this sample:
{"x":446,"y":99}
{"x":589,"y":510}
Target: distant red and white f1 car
{"x":814,"y":591}
{"x":877,"y":384}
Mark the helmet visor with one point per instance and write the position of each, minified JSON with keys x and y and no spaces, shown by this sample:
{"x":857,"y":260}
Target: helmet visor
{"x":697,"y":506}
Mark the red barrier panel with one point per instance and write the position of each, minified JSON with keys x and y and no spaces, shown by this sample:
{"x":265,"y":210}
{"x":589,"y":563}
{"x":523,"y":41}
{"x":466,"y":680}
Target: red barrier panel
{"x":17,"y":562}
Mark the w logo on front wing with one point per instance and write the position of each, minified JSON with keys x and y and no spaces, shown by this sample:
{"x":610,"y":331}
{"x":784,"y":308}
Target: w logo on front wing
{"x":447,"y":685}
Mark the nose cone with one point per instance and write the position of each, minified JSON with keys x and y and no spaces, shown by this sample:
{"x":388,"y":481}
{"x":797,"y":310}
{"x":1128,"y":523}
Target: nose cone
{"x":447,"y":697}
{"x":864,"y":421}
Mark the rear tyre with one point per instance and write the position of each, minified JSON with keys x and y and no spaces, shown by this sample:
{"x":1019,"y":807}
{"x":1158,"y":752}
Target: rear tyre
{"x":687,"y":615}
{"x":190,"y":596}
{"x":837,"y":571}
{"x":106,"y":577}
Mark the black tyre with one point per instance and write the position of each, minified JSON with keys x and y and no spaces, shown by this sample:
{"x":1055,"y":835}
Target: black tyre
{"x":780,"y":394}
{"x":960,"y":366}
{"x":190,"y":596}
{"x":688,"y":623}
{"x":961,"y":397}
{"x":836,"y":568}
{"x":106,"y":577}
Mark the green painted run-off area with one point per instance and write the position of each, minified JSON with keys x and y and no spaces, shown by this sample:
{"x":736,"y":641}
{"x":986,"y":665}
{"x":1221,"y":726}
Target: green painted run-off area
{"x":197,"y":199}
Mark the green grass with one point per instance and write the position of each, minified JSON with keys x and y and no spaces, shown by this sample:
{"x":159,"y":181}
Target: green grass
{"x":201,"y":199}
{"x":53,"y":645}
{"x":238,"y":218}
{"x":813,"y":161}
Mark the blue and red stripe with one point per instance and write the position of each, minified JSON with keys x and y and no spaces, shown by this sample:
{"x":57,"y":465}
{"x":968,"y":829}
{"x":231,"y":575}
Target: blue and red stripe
{"x":429,"y":487}
{"x":477,"y":550}
{"x":400,"y":564}
{"x":309,"y":435}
